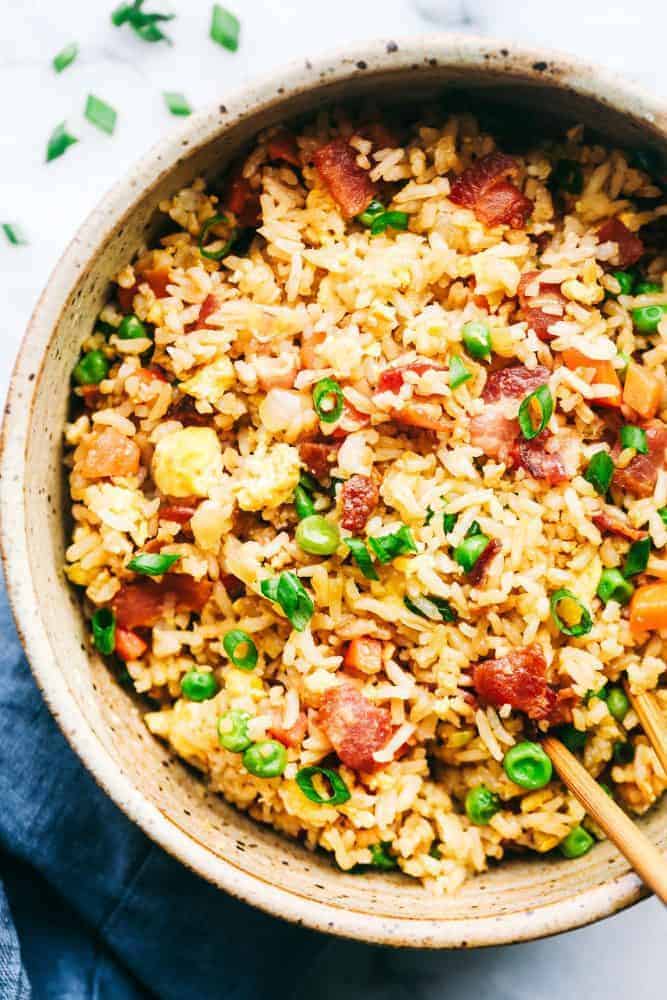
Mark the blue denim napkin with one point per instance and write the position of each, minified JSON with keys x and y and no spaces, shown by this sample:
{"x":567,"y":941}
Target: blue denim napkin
{"x":93,"y":909}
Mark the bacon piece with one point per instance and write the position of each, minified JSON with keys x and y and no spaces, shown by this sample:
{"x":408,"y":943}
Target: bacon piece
{"x":317,"y":457}
{"x":206,"y":309}
{"x":110,"y":454}
{"x":630,"y":247}
{"x":188,"y":414}
{"x":293,"y":736}
{"x":282,"y":146}
{"x":419,"y":415}
{"x":180,"y":511}
{"x":392,"y":379}
{"x":494,"y":433}
{"x":235,"y":588}
{"x":478,"y":573}
{"x":640,"y":475}
{"x":611,"y":521}
{"x":541,"y":460}
{"x":241,"y":199}
{"x":356,"y":728}
{"x":517,"y":679}
{"x":348,"y":183}
{"x":156,"y":277}
{"x":364,"y":655}
{"x":129,"y":645}
{"x":541,"y":311}
{"x":513,"y":382}
{"x":483,"y":187}
{"x":359,"y":496}
{"x":143,"y":603}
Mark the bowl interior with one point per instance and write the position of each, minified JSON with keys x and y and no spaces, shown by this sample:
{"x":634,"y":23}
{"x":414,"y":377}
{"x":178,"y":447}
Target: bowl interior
{"x":538,"y":93}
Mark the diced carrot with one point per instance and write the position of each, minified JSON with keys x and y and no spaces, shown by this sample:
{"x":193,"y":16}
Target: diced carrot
{"x":605,"y":374}
{"x":129,"y":645}
{"x":158,"y":279}
{"x":364,"y":654}
{"x":642,"y":391}
{"x":648,"y":608}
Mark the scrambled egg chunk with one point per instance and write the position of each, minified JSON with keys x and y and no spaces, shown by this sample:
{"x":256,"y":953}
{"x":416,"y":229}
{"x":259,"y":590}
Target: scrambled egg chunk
{"x":267,"y":479}
{"x":210,"y":382}
{"x":188,"y":462}
{"x":121,"y":509}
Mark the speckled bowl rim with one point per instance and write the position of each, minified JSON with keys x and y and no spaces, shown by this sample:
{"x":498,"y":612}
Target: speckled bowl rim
{"x":465,"y":52}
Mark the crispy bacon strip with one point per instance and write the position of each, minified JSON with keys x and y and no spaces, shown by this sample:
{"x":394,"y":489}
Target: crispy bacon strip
{"x":392,"y":379}
{"x":356,"y":728}
{"x":129,"y":645}
{"x":493,"y":430}
{"x":611,"y":521}
{"x":478,"y":573}
{"x":282,"y":146}
{"x":142,"y":603}
{"x":317,"y":457}
{"x":518,"y":679}
{"x":541,"y":459}
{"x":483,"y":187}
{"x":640,"y":475}
{"x":348,"y":183}
{"x":542,"y":310}
{"x":513,"y":382}
{"x":360,"y":496}
{"x":630,"y":247}
{"x":180,"y":511}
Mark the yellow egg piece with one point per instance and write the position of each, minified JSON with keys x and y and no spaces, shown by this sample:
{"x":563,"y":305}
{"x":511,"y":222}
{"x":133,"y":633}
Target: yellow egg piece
{"x":188,"y":462}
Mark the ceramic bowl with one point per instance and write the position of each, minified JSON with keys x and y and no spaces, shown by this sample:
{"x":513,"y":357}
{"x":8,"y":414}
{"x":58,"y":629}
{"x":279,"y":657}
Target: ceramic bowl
{"x":519,"y":900}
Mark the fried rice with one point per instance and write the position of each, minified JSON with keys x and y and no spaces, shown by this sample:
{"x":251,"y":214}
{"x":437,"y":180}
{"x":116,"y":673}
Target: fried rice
{"x":374,"y":404}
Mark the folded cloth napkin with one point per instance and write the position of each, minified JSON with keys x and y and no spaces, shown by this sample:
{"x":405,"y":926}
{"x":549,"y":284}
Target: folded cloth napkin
{"x":93,"y":909}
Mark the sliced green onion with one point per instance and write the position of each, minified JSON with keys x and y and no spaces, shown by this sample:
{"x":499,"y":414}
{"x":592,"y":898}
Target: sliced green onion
{"x":468,"y":552}
{"x":600,"y":472}
{"x":328,"y":400}
{"x":381,"y":858}
{"x":477,"y":339}
{"x":233,"y":730}
{"x":458,"y":373}
{"x":14,"y":234}
{"x":634,"y":437}
{"x":614,"y":587}
{"x":59,"y":141}
{"x":434,"y":608}
{"x":339,"y":791}
{"x":626,"y":280}
{"x":375,"y":208}
{"x":573,"y":628}
{"x":449,"y":522}
{"x":65,"y":57}
{"x":144,"y":25}
{"x":577,"y":843}
{"x":398,"y":543}
{"x":225,"y":28}
{"x":662,"y":513}
{"x":636,"y":560}
{"x":303,"y":503}
{"x":541,"y":399}
{"x":100,"y":114}
{"x":104,"y":631}
{"x":288,"y":591}
{"x":152,"y":563}
{"x":199,"y":685}
{"x":648,"y":288}
{"x":568,"y":176}
{"x":362,"y":557}
{"x":309,"y":483}
{"x":131,"y":328}
{"x":240,"y":649}
{"x":623,"y":752}
{"x":177,"y":103}
{"x":215,"y":220}
{"x":574,"y":739}
{"x":389,"y":220}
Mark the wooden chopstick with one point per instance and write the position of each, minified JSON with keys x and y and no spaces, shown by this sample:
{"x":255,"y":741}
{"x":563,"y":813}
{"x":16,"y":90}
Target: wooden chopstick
{"x":649,"y":863}
{"x":653,"y":721}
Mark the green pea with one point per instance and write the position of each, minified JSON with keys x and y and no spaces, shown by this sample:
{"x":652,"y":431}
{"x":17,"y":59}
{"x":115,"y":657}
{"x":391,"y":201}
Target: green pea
{"x":199,"y":685}
{"x":131,"y":328}
{"x":527,"y":765}
{"x":468,"y":552}
{"x":91,"y":369}
{"x":233,"y":730}
{"x":481,"y":805}
{"x":618,"y":703}
{"x":647,"y":288}
{"x":477,"y":339}
{"x":614,"y":587}
{"x":317,"y":535}
{"x":573,"y":739}
{"x":266,"y":759}
{"x":577,"y":843}
{"x":626,"y":280}
{"x":646,"y":318}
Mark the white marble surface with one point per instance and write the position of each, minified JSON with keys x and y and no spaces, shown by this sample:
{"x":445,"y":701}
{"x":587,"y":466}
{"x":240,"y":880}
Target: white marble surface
{"x":617,"y":958}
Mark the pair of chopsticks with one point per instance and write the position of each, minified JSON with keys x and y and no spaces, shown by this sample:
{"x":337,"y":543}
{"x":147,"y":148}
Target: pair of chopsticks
{"x":649,"y":863}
